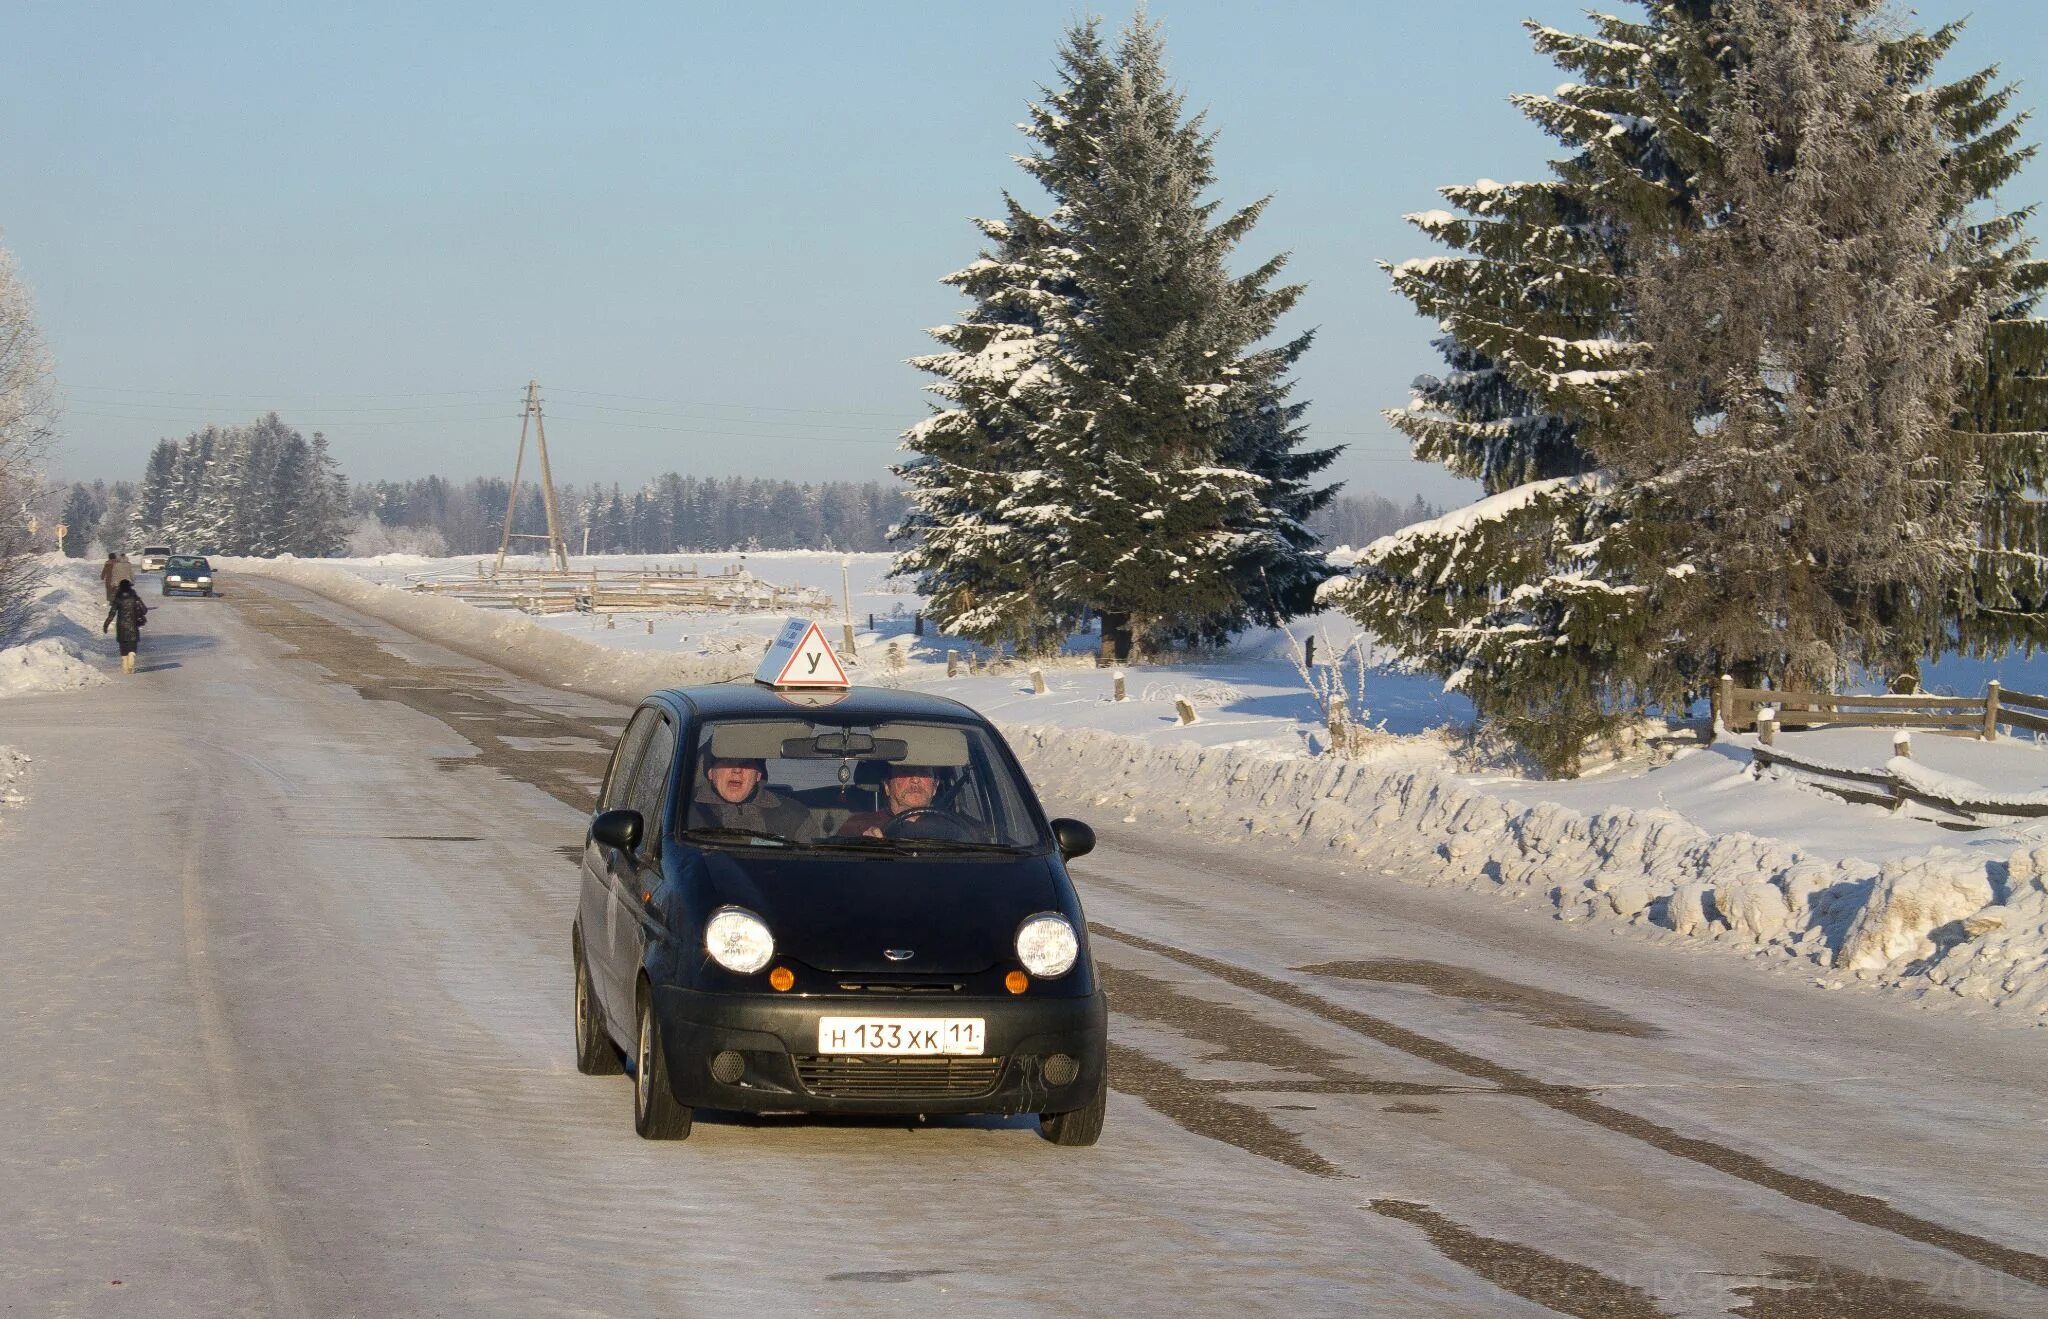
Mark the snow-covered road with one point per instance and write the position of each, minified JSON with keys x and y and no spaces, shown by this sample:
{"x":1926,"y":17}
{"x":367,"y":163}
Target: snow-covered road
{"x":284,"y":929}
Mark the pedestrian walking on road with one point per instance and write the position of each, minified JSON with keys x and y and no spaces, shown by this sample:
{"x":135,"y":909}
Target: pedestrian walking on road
{"x":114,"y":571}
{"x":126,"y":615}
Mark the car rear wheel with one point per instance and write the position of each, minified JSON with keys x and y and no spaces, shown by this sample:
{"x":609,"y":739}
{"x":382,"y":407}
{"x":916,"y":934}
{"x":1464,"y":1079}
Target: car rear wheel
{"x":656,"y":1114}
{"x":1083,"y":1126}
{"x":595,"y":1053}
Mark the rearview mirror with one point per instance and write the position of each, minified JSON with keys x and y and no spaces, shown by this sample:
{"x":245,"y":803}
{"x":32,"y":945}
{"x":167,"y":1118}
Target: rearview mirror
{"x":618,"y":829}
{"x":1075,"y":839}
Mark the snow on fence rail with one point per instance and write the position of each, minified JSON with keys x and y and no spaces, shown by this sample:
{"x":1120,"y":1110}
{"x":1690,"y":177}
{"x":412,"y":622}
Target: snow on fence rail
{"x":1737,"y":708}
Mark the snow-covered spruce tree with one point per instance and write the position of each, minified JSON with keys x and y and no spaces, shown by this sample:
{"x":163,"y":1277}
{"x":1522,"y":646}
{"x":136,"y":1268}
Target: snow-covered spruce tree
{"x":80,"y":517}
{"x":1507,"y":600}
{"x":1134,"y":453}
{"x":260,"y":489}
{"x":153,"y":499}
{"x":321,"y":522}
{"x":1794,"y":443}
{"x":26,"y":416}
{"x":986,"y":575}
{"x":1545,"y":620}
{"x":1150,"y":524}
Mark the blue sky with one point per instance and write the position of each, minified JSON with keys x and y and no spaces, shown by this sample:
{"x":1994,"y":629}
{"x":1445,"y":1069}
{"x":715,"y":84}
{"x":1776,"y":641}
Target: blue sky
{"x":713,"y":232}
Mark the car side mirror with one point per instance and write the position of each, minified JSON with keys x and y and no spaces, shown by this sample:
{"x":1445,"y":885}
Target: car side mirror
{"x":1075,"y":839}
{"x":618,"y":829}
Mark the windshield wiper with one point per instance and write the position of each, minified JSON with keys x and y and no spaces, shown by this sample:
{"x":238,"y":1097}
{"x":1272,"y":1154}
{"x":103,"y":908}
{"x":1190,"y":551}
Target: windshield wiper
{"x":899,"y":846}
{"x":732,"y":834}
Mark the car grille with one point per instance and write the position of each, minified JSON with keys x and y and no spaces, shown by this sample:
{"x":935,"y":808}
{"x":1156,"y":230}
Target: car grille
{"x":901,"y":987}
{"x":897,"y":1078}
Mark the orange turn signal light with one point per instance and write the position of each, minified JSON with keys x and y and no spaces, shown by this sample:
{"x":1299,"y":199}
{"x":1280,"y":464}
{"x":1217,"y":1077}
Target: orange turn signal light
{"x":781,"y":977}
{"x":1016,"y":982}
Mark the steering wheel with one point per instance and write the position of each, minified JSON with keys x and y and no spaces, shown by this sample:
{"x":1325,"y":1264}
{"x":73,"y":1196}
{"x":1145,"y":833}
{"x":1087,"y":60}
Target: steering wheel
{"x":930,"y":822}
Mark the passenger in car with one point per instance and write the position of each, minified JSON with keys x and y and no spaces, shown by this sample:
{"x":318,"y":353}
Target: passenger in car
{"x":904,"y":788}
{"x":734,"y":795}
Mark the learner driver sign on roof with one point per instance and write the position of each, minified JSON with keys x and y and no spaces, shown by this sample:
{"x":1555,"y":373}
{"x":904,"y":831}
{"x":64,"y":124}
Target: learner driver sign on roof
{"x":800,"y":657}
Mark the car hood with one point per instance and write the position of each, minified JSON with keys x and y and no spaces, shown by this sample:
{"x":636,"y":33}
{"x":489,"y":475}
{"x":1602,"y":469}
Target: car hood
{"x":956,"y":915}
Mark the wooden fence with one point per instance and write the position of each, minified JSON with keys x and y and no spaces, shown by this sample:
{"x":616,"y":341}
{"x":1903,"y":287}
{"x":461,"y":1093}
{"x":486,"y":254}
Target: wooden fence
{"x":1737,"y":708}
{"x":623,"y":590}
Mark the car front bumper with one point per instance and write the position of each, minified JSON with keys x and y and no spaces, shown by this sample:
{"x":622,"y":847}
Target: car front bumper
{"x":777,"y":1042}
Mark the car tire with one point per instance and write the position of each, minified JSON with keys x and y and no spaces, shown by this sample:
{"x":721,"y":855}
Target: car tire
{"x":656,"y":1114}
{"x":596,"y":1055}
{"x":1083,"y":1126}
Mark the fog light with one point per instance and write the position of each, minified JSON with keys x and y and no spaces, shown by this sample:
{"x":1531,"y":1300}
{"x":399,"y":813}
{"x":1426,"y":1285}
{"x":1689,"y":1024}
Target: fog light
{"x":781,"y":978}
{"x":727,"y":1067}
{"x":1060,"y":1070}
{"x":1016,"y":982}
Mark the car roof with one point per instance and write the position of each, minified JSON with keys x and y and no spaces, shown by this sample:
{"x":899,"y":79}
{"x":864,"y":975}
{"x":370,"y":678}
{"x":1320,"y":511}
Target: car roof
{"x":745,"y":700}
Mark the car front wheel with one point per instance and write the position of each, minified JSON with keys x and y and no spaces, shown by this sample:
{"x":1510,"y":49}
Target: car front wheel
{"x":656,"y":1114}
{"x":595,"y":1054}
{"x":1083,"y":1126}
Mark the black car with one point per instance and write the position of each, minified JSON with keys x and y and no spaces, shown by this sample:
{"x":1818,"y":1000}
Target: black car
{"x":833,"y":904}
{"x":188,"y":574}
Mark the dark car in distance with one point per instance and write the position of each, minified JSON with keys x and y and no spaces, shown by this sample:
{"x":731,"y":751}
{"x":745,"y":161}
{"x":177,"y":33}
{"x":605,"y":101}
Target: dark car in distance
{"x":188,"y":574}
{"x":848,"y":904}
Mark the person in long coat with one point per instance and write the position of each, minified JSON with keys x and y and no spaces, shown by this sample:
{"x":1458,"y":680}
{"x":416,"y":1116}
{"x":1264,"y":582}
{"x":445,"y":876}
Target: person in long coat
{"x":126,"y":615}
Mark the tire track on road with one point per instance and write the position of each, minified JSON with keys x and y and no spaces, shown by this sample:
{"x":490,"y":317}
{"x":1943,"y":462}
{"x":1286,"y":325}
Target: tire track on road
{"x":244,"y":1143}
{"x":1579,"y":1102}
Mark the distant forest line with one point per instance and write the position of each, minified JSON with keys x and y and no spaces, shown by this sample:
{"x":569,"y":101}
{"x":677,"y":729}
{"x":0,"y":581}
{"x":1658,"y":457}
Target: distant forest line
{"x":713,"y":514}
{"x":433,"y":515}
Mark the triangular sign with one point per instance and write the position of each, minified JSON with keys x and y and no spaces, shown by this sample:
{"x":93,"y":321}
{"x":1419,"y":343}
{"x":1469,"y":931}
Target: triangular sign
{"x":801,"y":657}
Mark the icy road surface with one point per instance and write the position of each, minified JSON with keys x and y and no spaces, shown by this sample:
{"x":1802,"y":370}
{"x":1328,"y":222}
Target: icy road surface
{"x":284,"y":923}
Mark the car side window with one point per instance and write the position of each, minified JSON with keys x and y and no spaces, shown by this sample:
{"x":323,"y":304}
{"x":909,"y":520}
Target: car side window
{"x":650,"y":780}
{"x":626,"y":759}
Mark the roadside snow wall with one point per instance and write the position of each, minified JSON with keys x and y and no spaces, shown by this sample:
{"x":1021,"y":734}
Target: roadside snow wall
{"x":1943,"y":923}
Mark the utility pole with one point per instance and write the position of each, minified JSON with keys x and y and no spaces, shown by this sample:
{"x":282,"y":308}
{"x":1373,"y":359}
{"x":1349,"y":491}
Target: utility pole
{"x":558,"y":549}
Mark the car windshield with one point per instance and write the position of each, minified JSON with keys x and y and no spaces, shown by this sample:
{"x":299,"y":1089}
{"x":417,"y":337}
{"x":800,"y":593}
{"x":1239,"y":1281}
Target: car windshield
{"x":187,"y":562}
{"x":889,"y":787}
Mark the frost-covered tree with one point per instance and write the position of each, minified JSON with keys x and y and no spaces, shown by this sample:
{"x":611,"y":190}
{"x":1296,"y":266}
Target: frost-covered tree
{"x":26,"y":416}
{"x":261,"y":489}
{"x":1554,"y":601}
{"x":1119,"y":443}
{"x":80,"y":517}
{"x":1812,"y":346}
{"x":984,"y":570}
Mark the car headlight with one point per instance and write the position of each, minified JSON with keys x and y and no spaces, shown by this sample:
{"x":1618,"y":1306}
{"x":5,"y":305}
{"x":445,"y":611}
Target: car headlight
{"x":738,"y":941}
{"x":1046,"y":946}
{"x":202,"y":580}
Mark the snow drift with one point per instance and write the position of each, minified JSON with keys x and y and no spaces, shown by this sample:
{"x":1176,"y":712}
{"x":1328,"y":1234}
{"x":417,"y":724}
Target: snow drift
{"x":53,"y":664}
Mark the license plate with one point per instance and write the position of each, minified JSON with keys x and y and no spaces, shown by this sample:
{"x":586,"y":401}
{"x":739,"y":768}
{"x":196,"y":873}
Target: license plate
{"x":901,"y":1036}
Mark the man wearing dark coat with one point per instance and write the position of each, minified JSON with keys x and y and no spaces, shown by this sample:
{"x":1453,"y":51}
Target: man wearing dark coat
{"x":733,"y":796}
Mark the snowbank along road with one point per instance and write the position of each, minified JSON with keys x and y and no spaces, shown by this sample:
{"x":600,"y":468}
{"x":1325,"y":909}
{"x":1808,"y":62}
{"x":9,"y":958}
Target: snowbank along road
{"x":286,"y":944}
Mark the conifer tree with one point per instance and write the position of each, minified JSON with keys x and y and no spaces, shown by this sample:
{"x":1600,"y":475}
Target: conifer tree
{"x":984,"y":571}
{"x":1549,"y":602}
{"x":1119,"y":444}
{"x":80,"y":517}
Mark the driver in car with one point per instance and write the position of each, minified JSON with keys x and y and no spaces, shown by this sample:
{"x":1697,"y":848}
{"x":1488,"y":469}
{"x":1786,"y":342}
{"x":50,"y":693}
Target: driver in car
{"x":905,"y":788}
{"x":737,"y":798}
